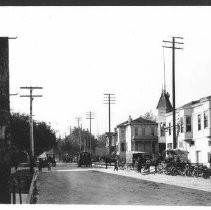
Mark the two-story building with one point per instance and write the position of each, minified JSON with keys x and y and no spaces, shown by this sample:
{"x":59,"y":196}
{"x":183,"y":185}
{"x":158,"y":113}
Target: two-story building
{"x":193,"y":130}
{"x":136,"y":136}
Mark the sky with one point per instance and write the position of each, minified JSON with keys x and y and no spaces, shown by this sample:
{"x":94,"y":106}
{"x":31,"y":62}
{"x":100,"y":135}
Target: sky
{"x":79,"y":53}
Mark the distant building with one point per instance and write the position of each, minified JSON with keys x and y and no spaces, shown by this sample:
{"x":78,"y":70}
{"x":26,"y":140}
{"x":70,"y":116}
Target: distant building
{"x":100,"y":151}
{"x":193,"y":129}
{"x":136,"y":136}
{"x":113,"y":141}
{"x":164,"y":106}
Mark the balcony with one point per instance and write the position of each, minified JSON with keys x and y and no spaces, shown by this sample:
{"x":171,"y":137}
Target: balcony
{"x":144,"y":138}
{"x":186,"y":136}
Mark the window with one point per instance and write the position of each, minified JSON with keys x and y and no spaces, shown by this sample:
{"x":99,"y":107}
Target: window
{"x":152,"y":131}
{"x":136,"y":131}
{"x":209,"y":158}
{"x":169,"y":145}
{"x":169,"y":129}
{"x":192,"y":143}
{"x":181,"y":125}
{"x":136,"y":146}
{"x":162,"y":129}
{"x":143,"y":131}
{"x":122,"y":133}
{"x":199,"y":122}
{"x":188,"y":124}
{"x":122,"y":147}
{"x":153,"y":147}
{"x":206,"y":119}
{"x":209,"y":143}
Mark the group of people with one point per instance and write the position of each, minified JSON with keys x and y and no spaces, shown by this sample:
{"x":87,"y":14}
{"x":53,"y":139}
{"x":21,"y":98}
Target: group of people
{"x":141,"y":163}
{"x":115,"y":160}
{"x":144,"y":163}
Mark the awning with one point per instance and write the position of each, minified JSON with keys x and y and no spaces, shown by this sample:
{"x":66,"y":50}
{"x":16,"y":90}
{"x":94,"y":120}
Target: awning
{"x":43,"y":155}
{"x":189,"y":140}
{"x":137,"y":152}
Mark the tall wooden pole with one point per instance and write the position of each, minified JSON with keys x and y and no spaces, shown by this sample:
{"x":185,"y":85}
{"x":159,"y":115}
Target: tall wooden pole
{"x":90,"y":129}
{"x":173,"y":93}
{"x":173,"y":47}
{"x":79,"y":130}
{"x":109,"y":99}
{"x":109,"y":123}
{"x":5,"y":137}
{"x":90,"y":117}
{"x":31,"y":134}
{"x":31,"y":96}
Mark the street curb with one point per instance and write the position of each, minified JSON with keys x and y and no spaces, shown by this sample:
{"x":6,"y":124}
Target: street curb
{"x":33,"y":188}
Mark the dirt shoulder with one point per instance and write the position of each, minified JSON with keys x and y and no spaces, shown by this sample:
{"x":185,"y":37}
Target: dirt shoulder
{"x":182,"y":181}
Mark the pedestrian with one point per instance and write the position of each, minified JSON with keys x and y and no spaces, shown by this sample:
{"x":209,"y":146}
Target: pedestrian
{"x":147,"y":168}
{"x":40,"y":166}
{"x":106,"y":162}
{"x":156,"y":162}
{"x":139,"y":167}
{"x":187,"y":169}
{"x":133,"y":164}
{"x":49,"y":166}
{"x":116,"y":165}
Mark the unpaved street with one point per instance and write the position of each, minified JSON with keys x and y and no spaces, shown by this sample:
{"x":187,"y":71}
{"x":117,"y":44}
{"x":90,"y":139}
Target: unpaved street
{"x":69,"y":185}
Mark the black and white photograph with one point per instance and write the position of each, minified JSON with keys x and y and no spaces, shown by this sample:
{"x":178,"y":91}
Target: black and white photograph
{"x":105,"y":105}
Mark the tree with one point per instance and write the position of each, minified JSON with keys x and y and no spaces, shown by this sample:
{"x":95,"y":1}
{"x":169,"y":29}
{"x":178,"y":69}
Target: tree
{"x":71,"y":143}
{"x":150,"y":116}
{"x":101,"y":141}
{"x":44,"y":135}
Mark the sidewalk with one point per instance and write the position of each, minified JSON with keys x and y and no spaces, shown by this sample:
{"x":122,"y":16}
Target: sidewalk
{"x":181,"y":181}
{"x":23,"y":194}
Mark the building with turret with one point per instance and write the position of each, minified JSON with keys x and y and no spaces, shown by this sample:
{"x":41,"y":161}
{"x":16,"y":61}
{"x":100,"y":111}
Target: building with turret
{"x":164,"y":106}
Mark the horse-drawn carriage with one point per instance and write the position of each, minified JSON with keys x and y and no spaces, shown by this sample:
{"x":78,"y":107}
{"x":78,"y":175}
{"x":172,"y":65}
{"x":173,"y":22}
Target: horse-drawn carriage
{"x":84,"y":159}
{"x":46,"y":160}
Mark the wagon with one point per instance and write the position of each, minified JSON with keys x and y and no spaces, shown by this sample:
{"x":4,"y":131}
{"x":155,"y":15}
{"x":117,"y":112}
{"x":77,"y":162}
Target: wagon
{"x":85,"y":159}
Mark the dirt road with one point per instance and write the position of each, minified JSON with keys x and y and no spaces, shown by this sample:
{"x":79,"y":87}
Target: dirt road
{"x":94,"y":187}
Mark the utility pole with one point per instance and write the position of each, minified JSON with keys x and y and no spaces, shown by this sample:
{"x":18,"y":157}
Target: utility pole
{"x":90,"y":117}
{"x":31,"y":96}
{"x":109,"y":99}
{"x":5,"y":130}
{"x":79,"y":130}
{"x":173,"y":47}
{"x":81,"y":137}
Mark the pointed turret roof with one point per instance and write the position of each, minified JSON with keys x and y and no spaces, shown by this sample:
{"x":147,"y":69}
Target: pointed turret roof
{"x":164,"y":102}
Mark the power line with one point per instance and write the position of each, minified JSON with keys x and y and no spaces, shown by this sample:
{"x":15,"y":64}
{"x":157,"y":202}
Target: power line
{"x":173,"y":47}
{"x":109,"y":99}
{"x":31,"y":96}
{"x":90,"y":117}
{"x":164,"y":67}
{"x":78,"y":119}
{"x":79,"y":130}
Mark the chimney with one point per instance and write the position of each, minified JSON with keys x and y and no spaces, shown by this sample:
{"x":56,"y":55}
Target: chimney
{"x":129,"y":119}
